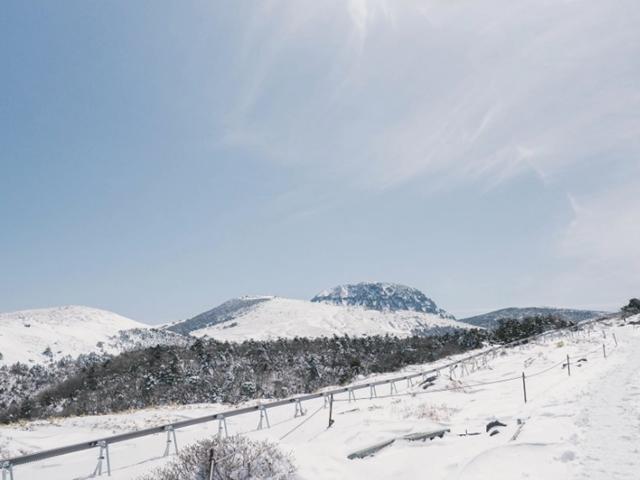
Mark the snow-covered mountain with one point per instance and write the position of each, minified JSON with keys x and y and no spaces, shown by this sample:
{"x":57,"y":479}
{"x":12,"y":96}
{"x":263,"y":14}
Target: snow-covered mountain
{"x":227,"y":311}
{"x":37,"y":336}
{"x":391,"y":297}
{"x":490,"y":320}
{"x":273,"y":317}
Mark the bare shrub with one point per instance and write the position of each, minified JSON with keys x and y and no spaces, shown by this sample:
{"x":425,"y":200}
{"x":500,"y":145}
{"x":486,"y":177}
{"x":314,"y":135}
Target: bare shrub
{"x":236,"y":458}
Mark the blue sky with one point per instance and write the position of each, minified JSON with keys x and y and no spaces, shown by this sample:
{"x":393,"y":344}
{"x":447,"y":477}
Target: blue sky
{"x":158,"y":158}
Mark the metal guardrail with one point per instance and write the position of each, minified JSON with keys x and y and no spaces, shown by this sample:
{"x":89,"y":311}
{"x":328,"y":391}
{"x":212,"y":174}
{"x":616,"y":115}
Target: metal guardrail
{"x":103,"y":443}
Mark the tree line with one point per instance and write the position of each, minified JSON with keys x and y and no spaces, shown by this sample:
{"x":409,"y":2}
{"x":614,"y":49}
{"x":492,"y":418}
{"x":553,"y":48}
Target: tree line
{"x":212,"y":371}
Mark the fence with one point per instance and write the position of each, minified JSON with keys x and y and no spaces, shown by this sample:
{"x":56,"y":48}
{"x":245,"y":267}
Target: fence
{"x":7,"y":465}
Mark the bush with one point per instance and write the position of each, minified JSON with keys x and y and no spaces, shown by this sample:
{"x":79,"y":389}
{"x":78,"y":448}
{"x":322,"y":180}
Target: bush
{"x":237,"y":458}
{"x":633,"y":308}
{"x":511,"y":329}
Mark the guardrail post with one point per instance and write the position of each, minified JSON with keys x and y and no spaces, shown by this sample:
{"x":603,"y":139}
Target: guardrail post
{"x":102,"y":456}
{"x":351,"y":394}
{"x":263,"y":416}
{"x":299,"y":410}
{"x":524,"y":387}
{"x":372,"y":392}
{"x":604,"y":350}
{"x":569,"y":365}
{"x":7,"y":471}
{"x":171,"y":438}
{"x":392,"y":388}
{"x":330,"y":411}
{"x":222,"y":423}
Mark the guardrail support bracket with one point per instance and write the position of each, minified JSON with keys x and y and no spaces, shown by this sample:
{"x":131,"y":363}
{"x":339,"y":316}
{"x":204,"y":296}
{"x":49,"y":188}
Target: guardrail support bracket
{"x":171,"y":438}
{"x":222,"y":424}
{"x":351,"y":394}
{"x":263,"y":417}
{"x":102,"y":457}
{"x":300,"y":412}
{"x":7,"y":471}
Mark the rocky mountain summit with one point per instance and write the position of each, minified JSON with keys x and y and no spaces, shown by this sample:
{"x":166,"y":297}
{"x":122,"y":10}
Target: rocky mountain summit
{"x":381,"y":296}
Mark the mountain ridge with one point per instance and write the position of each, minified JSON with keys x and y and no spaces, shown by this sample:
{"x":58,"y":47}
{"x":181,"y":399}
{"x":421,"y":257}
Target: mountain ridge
{"x":491,"y":319}
{"x":354,"y":309}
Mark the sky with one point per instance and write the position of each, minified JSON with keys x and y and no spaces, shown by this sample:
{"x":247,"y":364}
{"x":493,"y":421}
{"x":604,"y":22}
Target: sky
{"x":158,"y":158}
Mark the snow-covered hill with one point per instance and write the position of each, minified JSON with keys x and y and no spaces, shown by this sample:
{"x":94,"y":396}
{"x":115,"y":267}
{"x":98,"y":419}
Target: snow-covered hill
{"x":391,"y":297}
{"x":227,"y":311}
{"x":273,"y":317}
{"x":572,"y":427}
{"x":491,"y":319}
{"x":37,"y":336}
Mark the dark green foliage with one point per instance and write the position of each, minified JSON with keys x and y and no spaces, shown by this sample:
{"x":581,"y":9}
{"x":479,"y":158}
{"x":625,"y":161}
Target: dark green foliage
{"x":510,"y":330}
{"x":212,"y":371}
{"x":633,"y":308}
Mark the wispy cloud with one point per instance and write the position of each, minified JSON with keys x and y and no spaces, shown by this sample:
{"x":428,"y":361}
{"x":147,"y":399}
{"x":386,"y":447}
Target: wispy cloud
{"x":390,"y":91}
{"x":376,"y":94}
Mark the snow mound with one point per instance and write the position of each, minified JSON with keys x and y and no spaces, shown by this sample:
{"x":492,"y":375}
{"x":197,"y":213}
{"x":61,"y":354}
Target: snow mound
{"x":274,"y":317}
{"x":42,"y":335}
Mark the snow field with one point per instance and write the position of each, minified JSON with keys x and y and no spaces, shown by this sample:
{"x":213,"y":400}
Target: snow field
{"x":556,"y":441}
{"x":288,"y":318}
{"x":25,"y":335}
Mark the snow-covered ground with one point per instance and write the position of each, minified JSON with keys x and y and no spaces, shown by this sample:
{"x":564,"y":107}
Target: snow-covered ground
{"x":288,"y":318}
{"x":577,"y":427}
{"x":69,"y":330}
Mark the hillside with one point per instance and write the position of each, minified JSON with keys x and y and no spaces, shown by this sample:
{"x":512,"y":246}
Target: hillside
{"x":491,"y":319}
{"x":38,"y":336}
{"x":227,"y":311}
{"x":263,"y":318}
{"x":557,"y":433}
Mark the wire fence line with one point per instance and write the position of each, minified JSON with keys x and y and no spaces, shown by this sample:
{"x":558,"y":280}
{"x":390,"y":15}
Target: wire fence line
{"x":564,"y":363}
{"x":7,"y":465}
{"x":472,"y":385}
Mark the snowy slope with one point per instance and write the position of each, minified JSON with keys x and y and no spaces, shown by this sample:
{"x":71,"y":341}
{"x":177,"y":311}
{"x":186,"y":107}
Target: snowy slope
{"x":575,"y":427}
{"x":69,"y":330}
{"x":274,"y":317}
{"x":227,"y":311}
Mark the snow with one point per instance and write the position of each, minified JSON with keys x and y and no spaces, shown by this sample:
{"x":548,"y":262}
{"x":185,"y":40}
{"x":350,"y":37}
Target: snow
{"x":575,"y":427}
{"x":68,"y":330}
{"x":288,"y":318}
{"x":381,"y":296}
